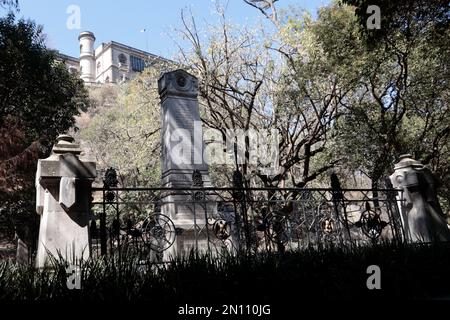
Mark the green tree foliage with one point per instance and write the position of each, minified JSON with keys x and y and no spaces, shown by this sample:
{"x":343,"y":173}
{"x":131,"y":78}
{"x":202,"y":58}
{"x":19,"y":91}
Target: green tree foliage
{"x":406,"y":108}
{"x":389,"y":88}
{"x":308,"y":99}
{"x":395,"y":95}
{"x":123,"y":131}
{"x":250,"y":80}
{"x":232,"y":64}
{"x":38,"y":101}
{"x":402,"y":19}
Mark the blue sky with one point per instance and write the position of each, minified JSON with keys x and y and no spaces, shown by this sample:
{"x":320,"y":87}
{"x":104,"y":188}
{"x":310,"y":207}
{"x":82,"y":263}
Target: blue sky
{"x":122,"y":20}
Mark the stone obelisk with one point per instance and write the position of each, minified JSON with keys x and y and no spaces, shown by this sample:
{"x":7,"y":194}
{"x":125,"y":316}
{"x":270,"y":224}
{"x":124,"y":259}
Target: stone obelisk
{"x":182,"y":155}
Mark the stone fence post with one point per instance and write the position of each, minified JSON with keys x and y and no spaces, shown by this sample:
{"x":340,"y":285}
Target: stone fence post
{"x":63,"y":196}
{"x":422,"y":217}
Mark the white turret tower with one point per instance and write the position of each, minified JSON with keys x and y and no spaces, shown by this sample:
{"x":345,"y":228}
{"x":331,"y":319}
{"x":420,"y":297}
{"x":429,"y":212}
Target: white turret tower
{"x":87,"y":56}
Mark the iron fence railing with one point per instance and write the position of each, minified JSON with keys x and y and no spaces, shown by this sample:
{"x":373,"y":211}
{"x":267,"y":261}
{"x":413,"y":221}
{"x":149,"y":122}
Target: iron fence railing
{"x":151,"y":222}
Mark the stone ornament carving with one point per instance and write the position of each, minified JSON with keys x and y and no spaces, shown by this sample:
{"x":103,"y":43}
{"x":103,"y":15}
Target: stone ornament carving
{"x":66,"y":144}
{"x":422,"y":216}
{"x":110,"y":180}
{"x":197,"y":180}
{"x":178,"y":83}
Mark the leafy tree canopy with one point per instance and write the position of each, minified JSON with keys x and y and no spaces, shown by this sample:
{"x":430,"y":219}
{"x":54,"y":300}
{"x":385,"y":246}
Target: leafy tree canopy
{"x":123,"y":131}
{"x":38,"y":100}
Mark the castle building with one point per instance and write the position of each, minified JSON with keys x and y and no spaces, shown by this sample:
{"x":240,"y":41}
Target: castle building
{"x":111,"y":62}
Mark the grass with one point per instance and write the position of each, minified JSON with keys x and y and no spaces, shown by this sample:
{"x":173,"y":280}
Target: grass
{"x":407,"y":271}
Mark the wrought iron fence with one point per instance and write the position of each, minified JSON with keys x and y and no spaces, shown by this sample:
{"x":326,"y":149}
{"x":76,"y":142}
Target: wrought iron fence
{"x":147,"y":221}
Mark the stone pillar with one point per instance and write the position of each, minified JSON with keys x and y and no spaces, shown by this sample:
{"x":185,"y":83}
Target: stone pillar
{"x":182,"y":155}
{"x":422,"y":217}
{"x":63,"y":196}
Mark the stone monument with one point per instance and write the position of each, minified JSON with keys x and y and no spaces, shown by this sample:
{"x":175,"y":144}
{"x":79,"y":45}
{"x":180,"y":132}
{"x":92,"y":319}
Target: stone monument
{"x":422,"y":217}
{"x":182,"y":164}
{"x":63,"y":196}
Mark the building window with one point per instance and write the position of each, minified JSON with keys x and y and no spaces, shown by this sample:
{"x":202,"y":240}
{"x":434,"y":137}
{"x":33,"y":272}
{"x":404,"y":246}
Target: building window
{"x":98,"y":65}
{"x":72,"y":70}
{"x":137,"y":64}
{"x":122,"y":59}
